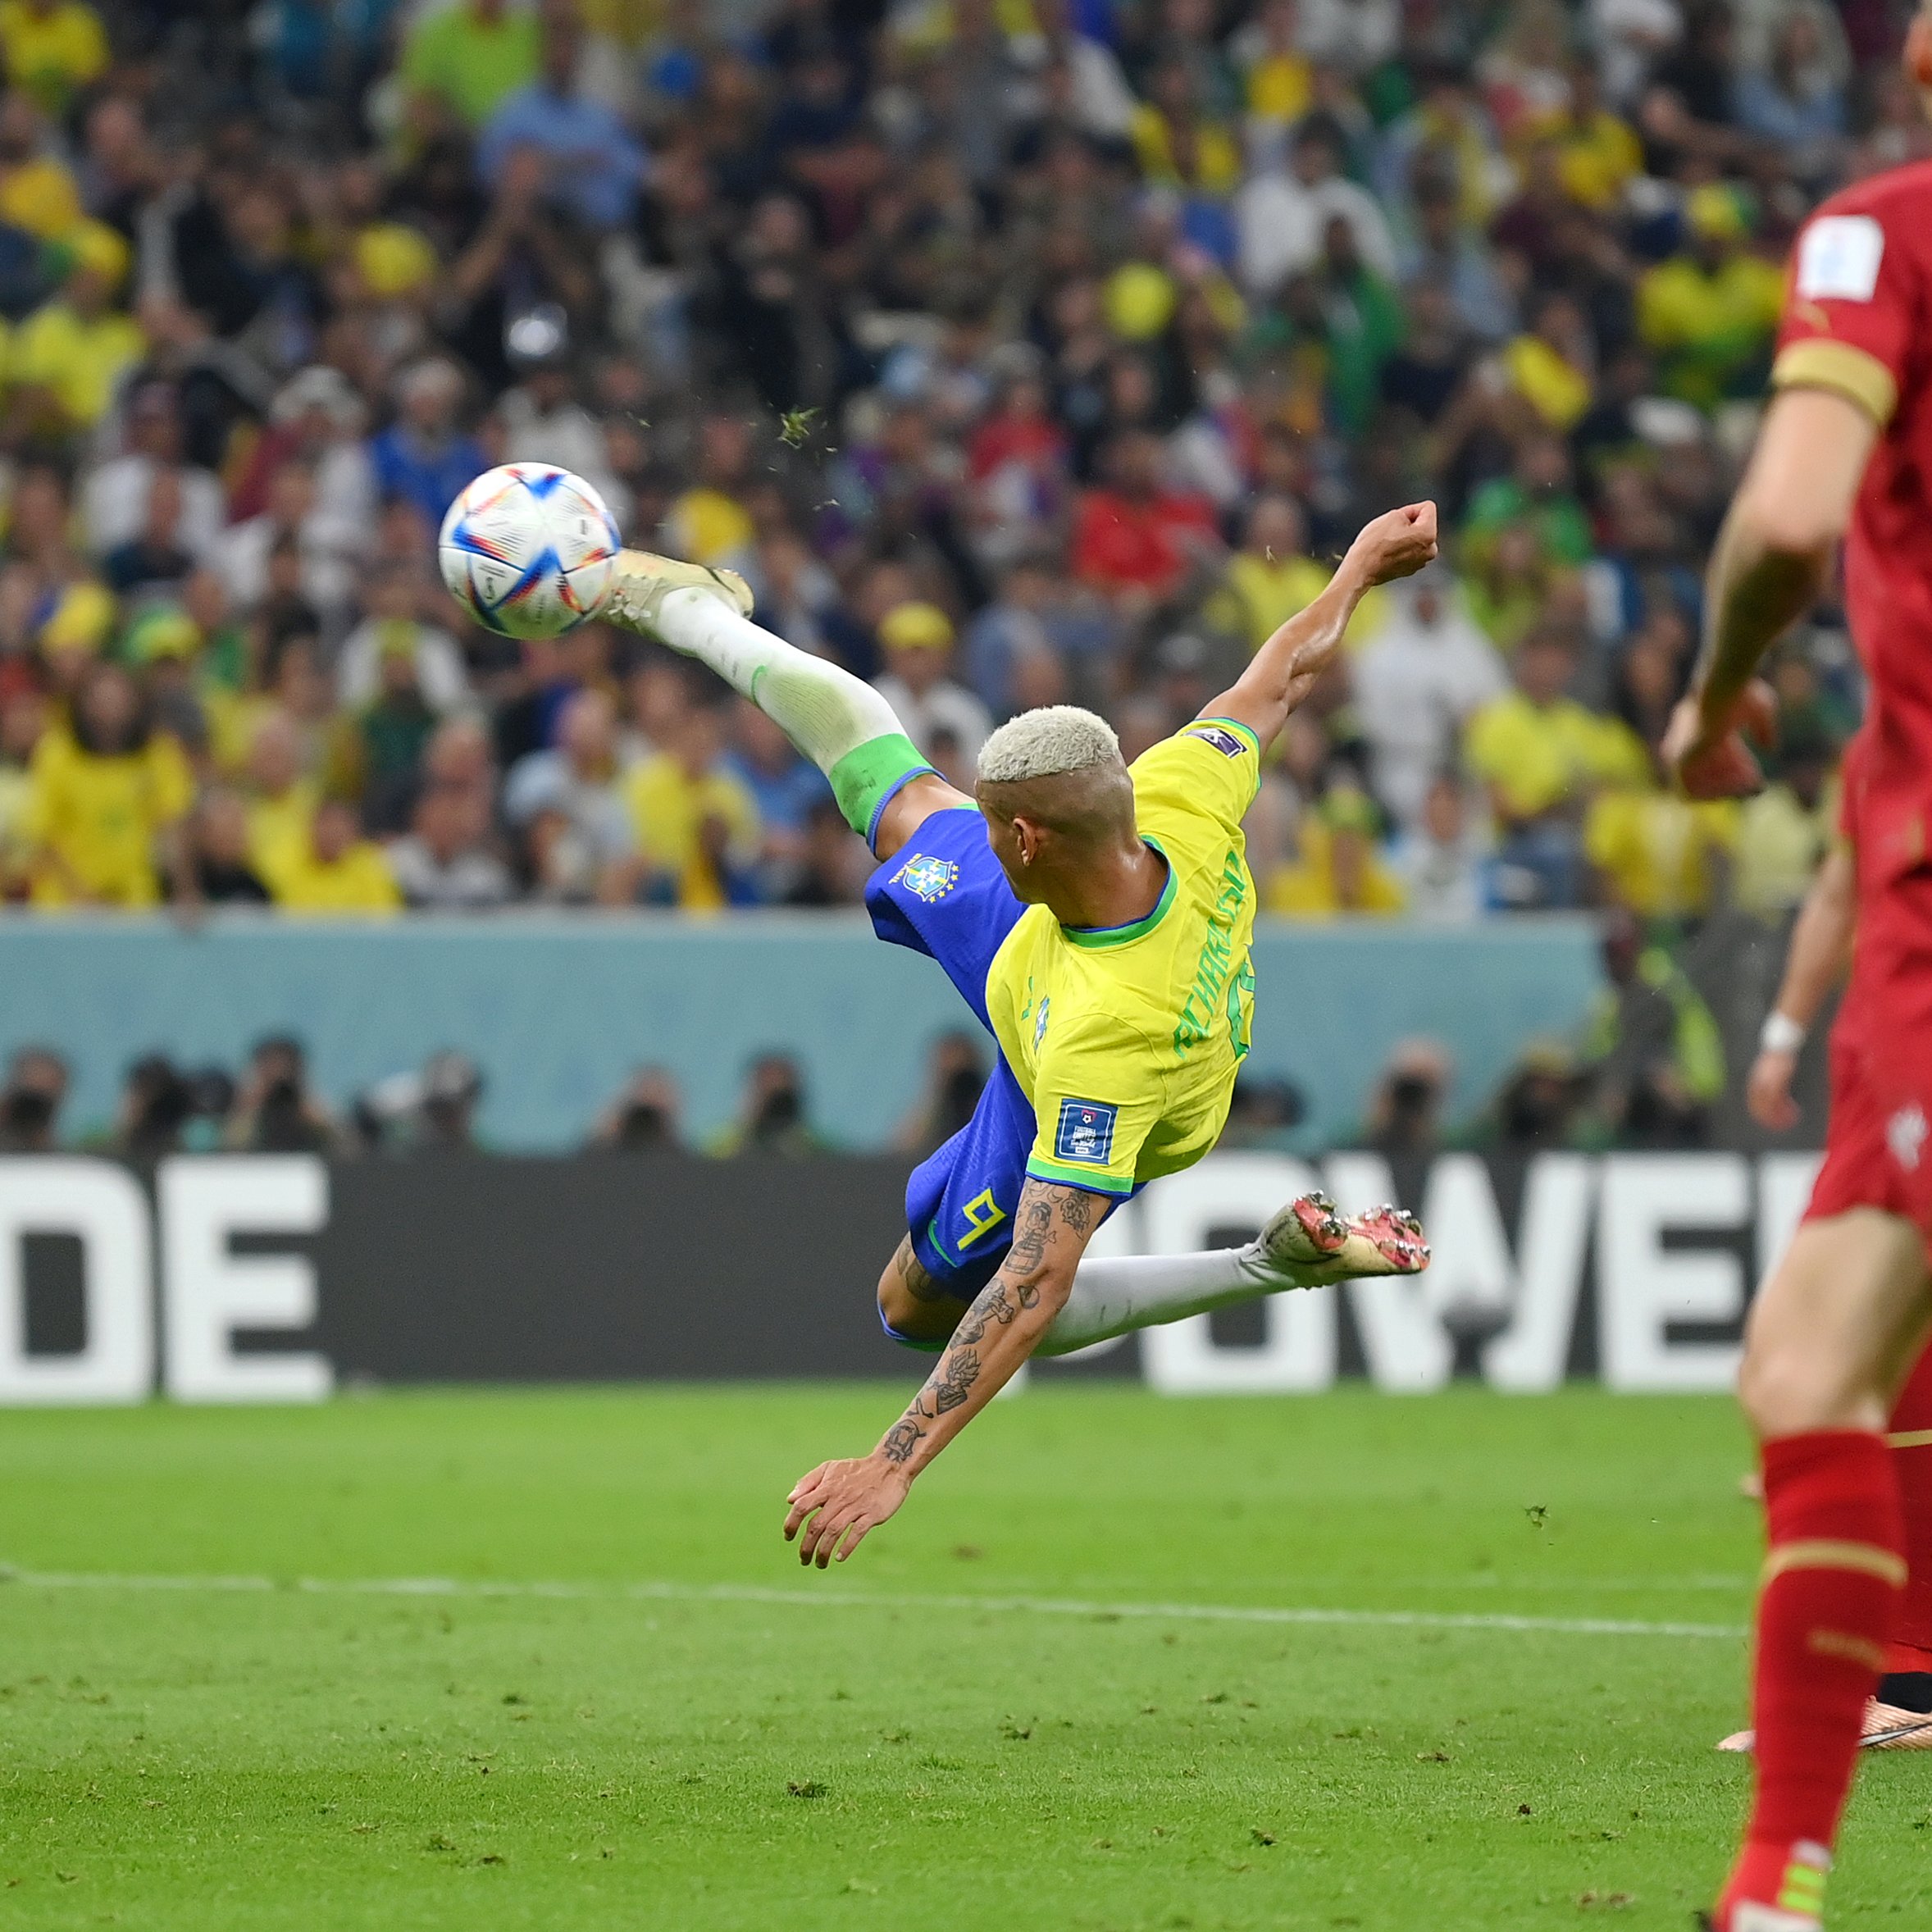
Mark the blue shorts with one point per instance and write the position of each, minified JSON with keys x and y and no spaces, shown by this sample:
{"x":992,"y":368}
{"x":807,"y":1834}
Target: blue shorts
{"x":943,"y":894}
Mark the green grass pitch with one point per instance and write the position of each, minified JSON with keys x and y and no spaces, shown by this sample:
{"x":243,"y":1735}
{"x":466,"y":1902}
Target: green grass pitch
{"x":985,"y":1720}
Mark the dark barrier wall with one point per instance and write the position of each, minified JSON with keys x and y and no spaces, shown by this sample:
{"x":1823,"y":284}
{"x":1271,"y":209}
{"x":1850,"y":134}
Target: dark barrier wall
{"x":278,"y":1278}
{"x":495,"y":1270}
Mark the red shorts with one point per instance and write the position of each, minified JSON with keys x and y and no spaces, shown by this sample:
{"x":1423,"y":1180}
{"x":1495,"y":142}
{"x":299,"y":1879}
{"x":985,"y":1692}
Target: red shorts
{"x":1878,"y":1146}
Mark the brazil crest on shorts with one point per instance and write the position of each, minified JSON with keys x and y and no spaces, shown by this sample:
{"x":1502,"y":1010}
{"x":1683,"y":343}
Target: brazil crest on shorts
{"x":930,"y":878}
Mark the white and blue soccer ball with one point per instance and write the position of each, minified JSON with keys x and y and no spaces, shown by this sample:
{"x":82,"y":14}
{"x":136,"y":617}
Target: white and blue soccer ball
{"x":528,"y":549}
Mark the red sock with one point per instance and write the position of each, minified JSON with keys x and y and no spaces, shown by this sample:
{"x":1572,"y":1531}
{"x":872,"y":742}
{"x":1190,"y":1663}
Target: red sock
{"x":1911,"y":1438}
{"x":1832,"y":1580}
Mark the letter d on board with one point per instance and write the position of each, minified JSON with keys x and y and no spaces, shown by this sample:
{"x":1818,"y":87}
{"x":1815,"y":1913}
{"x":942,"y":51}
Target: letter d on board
{"x":102,"y":1206}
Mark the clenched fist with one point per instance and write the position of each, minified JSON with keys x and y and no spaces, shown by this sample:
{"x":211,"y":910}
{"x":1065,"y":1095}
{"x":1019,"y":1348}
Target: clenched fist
{"x":1395,"y":546}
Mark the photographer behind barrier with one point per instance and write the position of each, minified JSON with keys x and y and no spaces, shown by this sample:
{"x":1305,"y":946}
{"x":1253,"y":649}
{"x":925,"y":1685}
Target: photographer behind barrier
{"x":431,"y":1111}
{"x":31,"y":1102}
{"x":274,"y":1109}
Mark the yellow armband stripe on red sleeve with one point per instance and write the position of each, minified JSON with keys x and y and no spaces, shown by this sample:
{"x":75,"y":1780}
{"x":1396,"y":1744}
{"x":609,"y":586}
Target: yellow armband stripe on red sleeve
{"x":1843,"y":369}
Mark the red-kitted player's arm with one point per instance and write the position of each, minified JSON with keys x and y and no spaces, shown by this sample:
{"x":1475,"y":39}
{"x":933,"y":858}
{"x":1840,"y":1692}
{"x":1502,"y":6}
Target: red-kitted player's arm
{"x":1857,"y":303}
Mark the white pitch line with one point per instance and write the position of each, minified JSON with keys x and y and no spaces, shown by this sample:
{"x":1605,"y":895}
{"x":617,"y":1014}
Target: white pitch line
{"x":833,"y":1598}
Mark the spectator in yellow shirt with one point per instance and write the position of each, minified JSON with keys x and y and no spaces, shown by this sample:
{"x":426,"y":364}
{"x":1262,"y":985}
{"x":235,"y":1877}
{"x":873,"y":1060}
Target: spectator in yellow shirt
{"x":53,"y":48}
{"x":1271,"y":578}
{"x":1176,"y":144}
{"x":1785,"y":833}
{"x":697,"y":826}
{"x":1542,"y":754}
{"x":1708,"y":313}
{"x":281,"y":798}
{"x":70,"y":354}
{"x":708,"y":523}
{"x":1598,"y":153}
{"x":334,"y":870}
{"x":36,"y":193}
{"x":471,"y":56}
{"x":1339,"y":872}
{"x":1538,"y":750}
{"x":109,"y":794}
{"x":1660,"y":854}
{"x":1552,"y":362}
{"x":1279,"y":81}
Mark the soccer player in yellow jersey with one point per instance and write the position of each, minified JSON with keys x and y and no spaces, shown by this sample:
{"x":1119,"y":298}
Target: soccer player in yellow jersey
{"x":1096,"y":918}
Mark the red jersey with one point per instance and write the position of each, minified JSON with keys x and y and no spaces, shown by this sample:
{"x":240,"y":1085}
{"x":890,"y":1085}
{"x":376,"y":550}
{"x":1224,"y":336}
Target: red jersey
{"x":1858,"y":321}
{"x":1119,"y":541}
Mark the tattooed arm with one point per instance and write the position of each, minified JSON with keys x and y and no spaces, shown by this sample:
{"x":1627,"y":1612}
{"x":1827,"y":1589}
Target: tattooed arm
{"x":839,"y":1502}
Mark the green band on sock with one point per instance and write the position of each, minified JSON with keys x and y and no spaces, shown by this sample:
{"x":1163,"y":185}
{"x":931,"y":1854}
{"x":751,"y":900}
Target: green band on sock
{"x":867,"y":775}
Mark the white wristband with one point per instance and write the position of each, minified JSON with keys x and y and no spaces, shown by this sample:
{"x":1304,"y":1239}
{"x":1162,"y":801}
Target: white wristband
{"x":1781,"y":1033}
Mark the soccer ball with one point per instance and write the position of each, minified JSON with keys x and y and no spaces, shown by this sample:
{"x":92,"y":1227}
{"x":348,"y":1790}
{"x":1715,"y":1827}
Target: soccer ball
{"x":528,"y":549}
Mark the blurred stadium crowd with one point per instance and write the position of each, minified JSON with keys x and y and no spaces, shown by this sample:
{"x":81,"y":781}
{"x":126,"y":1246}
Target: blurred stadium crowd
{"x":1016,"y":350}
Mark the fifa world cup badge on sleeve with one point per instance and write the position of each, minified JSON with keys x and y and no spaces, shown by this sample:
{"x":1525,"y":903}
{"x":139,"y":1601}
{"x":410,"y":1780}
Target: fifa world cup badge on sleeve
{"x":1225,"y":742}
{"x":1839,"y":258}
{"x":927,"y":878}
{"x":1086,"y":1133}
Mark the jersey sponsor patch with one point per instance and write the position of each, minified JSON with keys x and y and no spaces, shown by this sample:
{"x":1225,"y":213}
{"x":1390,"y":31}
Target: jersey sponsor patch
{"x":1085,"y":1133}
{"x":1839,"y":258}
{"x":1224,"y":742}
{"x":927,"y":877}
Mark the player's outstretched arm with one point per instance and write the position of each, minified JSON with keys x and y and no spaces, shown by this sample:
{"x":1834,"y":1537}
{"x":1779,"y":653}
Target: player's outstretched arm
{"x":839,"y":1502}
{"x":1286,"y":667}
{"x":1771,"y":560}
{"x":1820,"y":950}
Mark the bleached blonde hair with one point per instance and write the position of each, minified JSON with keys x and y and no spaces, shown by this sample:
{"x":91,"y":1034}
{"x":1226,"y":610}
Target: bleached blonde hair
{"x":1044,"y":743}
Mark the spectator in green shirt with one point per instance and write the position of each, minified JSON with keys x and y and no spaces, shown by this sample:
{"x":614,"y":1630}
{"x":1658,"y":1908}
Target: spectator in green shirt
{"x":1538,"y":494}
{"x":470,"y":55}
{"x":1339,"y":318}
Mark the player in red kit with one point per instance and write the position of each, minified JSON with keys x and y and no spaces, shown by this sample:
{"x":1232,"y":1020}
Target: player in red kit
{"x":1845,"y":453}
{"x":1898,"y":1717}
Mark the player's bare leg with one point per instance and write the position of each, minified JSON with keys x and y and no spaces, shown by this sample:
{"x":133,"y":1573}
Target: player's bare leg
{"x":1306,"y":1244}
{"x":1828,"y":1344}
{"x":836,"y":720}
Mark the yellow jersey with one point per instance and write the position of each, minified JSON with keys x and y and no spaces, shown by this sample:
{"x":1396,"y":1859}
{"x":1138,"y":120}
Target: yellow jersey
{"x":96,"y":817}
{"x":76,"y":359}
{"x":358,"y":884}
{"x":278,"y":827}
{"x":52,"y":54}
{"x":668,"y":809}
{"x":1125,"y":1041}
{"x":1661,"y":852}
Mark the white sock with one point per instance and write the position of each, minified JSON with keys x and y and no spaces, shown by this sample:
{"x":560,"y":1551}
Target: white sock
{"x":1115,"y":1293}
{"x":824,"y":710}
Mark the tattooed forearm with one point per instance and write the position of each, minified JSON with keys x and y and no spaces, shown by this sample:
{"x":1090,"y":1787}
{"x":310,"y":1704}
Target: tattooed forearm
{"x":905,"y":1435}
{"x":992,"y":1306}
{"x":958,"y":1370}
{"x":1031,"y":1238}
{"x":992,"y":1340}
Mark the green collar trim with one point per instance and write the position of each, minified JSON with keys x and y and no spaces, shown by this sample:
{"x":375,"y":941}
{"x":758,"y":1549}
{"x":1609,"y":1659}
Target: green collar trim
{"x":1101,"y":936}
